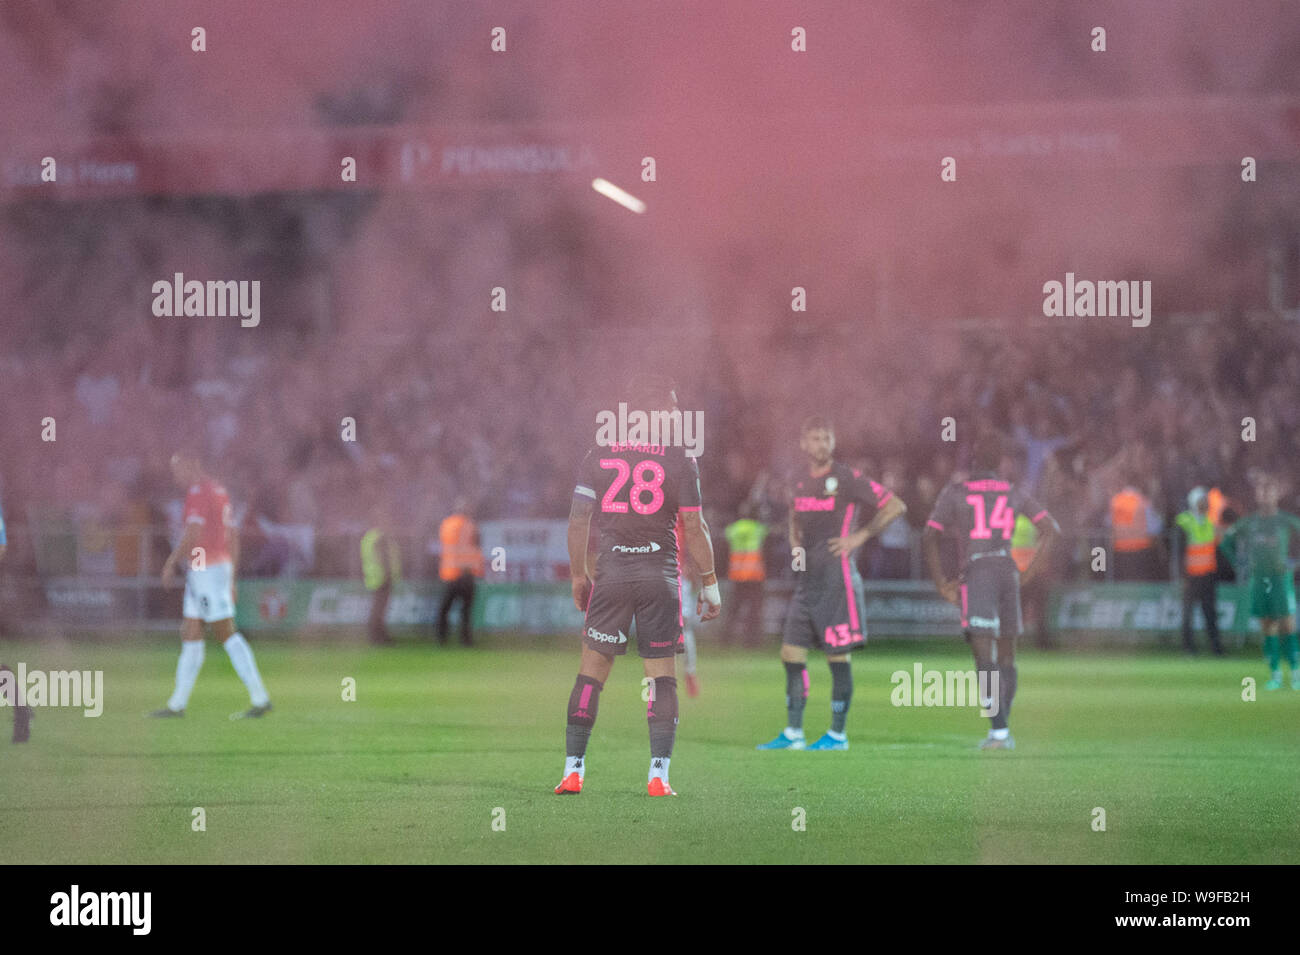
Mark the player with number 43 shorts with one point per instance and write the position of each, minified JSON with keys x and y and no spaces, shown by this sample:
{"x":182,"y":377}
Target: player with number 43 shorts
{"x":829,"y":502}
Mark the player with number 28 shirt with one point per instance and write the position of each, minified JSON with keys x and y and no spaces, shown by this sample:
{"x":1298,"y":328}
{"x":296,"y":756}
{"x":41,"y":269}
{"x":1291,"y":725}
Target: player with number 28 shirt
{"x":636,"y":493}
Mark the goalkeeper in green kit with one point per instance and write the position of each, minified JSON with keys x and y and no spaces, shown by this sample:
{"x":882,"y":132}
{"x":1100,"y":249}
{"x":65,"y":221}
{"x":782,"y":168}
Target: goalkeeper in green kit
{"x":1265,"y":536}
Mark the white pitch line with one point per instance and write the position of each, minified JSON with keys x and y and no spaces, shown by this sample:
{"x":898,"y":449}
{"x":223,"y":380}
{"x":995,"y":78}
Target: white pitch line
{"x":622,"y":197}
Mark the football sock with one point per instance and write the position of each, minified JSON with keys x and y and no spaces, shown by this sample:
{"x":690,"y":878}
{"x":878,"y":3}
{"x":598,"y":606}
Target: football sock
{"x":796,"y":694}
{"x":661,"y":714}
{"x":841,"y":694}
{"x":1273,"y":653}
{"x":982,"y":648}
{"x":575,"y":764}
{"x":581,"y":712}
{"x":22,"y":724}
{"x":659,"y":768}
{"x":1293,"y":651}
{"x":187,"y":671}
{"x":989,"y":683}
{"x":1006,"y":692}
{"x":241,"y":658}
{"x":1002,"y":733}
{"x":22,"y":713}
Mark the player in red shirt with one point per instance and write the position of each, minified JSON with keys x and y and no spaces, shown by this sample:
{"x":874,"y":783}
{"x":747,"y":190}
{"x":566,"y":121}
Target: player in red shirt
{"x":210,"y":547}
{"x":8,"y":685}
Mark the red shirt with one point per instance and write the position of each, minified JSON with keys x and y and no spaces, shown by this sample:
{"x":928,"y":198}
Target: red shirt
{"x":208,"y":505}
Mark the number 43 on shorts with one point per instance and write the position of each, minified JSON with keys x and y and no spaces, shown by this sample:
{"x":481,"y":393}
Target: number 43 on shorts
{"x":840,"y":636}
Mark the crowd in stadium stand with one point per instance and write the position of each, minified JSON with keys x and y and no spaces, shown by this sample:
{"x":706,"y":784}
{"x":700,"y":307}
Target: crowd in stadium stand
{"x":1168,"y":413}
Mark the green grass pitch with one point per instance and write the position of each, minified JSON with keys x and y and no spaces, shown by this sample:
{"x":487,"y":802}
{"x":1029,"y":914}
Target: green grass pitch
{"x":440,"y":743}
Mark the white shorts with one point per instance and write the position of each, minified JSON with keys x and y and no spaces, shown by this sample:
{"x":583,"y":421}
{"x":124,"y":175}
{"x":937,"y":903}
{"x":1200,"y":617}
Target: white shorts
{"x":207,"y":594}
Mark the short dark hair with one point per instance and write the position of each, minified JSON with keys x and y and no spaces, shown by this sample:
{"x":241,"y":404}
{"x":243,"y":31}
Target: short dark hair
{"x":816,"y":423}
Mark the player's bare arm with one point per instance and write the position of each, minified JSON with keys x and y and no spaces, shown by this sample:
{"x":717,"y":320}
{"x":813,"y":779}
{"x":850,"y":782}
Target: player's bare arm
{"x":1048,"y":532}
{"x":894,"y":508}
{"x":188,"y":539}
{"x":689,"y":571}
{"x":699,"y":547}
{"x":930,"y":548}
{"x":593,"y":552}
{"x":579,"y":532}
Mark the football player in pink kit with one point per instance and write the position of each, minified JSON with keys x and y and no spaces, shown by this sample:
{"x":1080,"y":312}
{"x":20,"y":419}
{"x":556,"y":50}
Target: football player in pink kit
{"x":981,"y":512}
{"x":209,"y":545}
{"x":829,"y":503}
{"x":635,"y":580}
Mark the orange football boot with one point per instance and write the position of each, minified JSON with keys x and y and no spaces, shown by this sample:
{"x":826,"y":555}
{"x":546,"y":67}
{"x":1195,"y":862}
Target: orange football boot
{"x":570,"y":785}
{"x":659,"y":787}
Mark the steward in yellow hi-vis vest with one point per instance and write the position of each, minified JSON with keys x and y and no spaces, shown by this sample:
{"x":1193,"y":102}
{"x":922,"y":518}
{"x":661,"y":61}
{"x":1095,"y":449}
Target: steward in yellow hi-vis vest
{"x":1024,"y":541}
{"x":745,"y":538}
{"x":381,"y":568}
{"x":1200,"y":567}
{"x":461,"y":562}
{"x":381,"y":563}
{"x":746,"y":571}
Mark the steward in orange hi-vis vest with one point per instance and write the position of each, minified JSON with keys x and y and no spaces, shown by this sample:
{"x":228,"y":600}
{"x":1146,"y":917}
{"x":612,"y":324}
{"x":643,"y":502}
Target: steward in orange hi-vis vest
{"x":462,"y":562}
{"x":460,"y":551}
{"x":1129,"y":520}
{"x":1135,"y":542}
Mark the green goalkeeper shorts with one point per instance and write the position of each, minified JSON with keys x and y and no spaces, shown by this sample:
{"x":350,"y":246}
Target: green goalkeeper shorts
{"x":1272,"y":596}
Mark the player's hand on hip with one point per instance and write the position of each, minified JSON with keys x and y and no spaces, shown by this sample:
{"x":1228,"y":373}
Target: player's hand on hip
{"x":581,"y":592}
{"x":951,"y":592}
{"x":169,"y":574}
{"x":841,"y":546}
